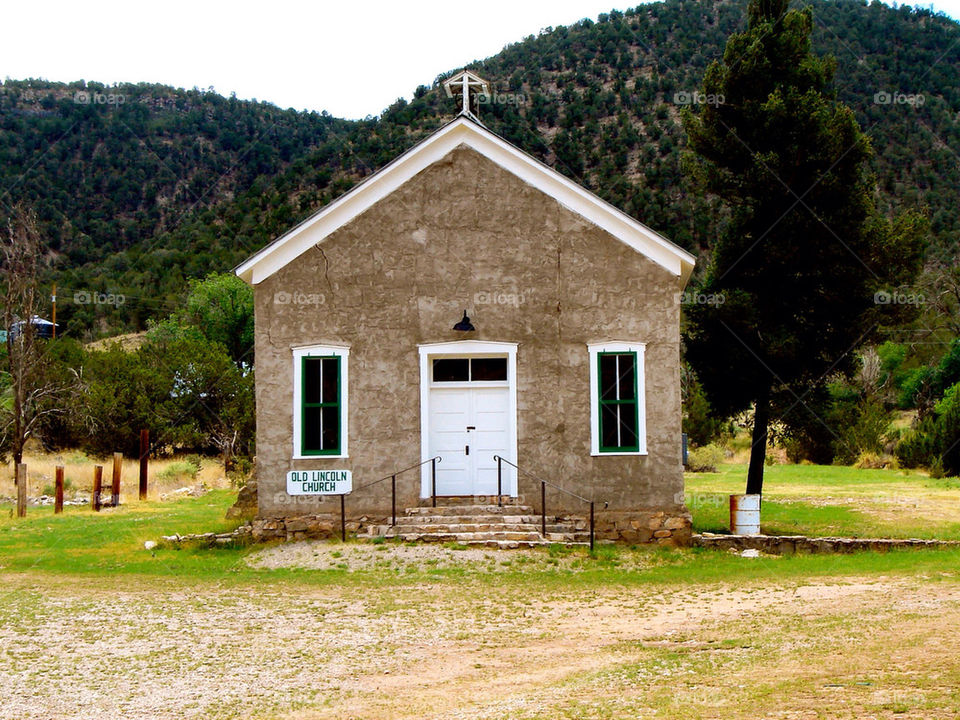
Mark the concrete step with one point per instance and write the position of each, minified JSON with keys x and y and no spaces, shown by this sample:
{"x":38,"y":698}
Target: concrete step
{"x":481,"y":526}
{"x":505,"y":544}
{"x":568,"y":538}
{"x":439,"y":522}
{"x":471,"y":510}
{"x":465,"y":537}
{"x":479,"y":518}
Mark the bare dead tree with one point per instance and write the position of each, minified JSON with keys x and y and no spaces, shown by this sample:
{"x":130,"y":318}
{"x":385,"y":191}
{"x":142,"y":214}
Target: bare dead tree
{"x":33,"y":394}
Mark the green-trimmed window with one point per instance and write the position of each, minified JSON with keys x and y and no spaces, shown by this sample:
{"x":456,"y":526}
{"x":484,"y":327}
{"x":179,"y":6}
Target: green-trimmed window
{"x":617,"y":398}
{"x":618,"y":402}
{"x":320,"y":410}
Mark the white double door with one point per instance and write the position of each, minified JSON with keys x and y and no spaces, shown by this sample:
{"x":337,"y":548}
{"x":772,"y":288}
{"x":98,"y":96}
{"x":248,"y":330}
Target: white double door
{"x":468,"y":428}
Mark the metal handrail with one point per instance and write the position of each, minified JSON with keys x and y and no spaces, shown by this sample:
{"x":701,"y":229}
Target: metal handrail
{"x":393,"y":490}
{"x":543,"y":495}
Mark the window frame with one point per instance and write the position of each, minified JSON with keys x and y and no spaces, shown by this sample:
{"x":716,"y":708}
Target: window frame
{"x":470,"y":382}
{"x":596,"y":351}
{"x":300,"y":355}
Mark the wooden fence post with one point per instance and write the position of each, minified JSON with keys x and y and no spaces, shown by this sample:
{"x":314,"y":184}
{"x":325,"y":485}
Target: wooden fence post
{"x":97,"y":486}
{"x":58,"y":501}
{"x":144,"y":452}
{"x":117,"y":468}
{"x":21,"y":490}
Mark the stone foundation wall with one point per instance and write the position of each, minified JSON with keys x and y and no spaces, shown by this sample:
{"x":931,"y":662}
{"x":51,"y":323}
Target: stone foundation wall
{"x":790,"y":544}
{"x":669,"y":529}
{"x":663,"y":528}
{"x":313,"y":527}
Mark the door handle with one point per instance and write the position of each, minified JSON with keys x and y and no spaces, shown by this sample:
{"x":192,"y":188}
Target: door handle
{"x":466,"y":449}
{"x":471,"y":427}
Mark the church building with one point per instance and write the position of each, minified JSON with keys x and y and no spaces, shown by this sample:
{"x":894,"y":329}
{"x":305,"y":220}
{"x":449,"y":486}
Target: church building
{"x":469,"y":334}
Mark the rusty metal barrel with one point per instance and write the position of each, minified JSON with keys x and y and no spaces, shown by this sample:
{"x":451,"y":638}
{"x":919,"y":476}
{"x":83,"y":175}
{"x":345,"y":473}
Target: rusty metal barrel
{"x":745,"y":514}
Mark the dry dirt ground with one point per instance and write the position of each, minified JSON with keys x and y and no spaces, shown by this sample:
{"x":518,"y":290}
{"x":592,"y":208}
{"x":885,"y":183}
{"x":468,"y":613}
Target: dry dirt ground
{"x":871,"y":647}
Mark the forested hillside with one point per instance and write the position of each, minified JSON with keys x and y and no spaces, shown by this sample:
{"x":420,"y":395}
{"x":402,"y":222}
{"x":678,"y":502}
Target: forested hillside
{"x":141,"y":187}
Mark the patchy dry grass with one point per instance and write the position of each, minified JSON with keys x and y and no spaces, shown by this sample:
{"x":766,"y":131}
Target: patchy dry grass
{"x":94,"y":626}
{"x":78,"y":475}
{"x":831,"y":500}
{"x":858,"y":646}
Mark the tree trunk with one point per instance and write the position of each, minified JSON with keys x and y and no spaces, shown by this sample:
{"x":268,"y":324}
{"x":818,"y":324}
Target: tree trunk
{"x":18,"y":439}
{"x":758,"y":450}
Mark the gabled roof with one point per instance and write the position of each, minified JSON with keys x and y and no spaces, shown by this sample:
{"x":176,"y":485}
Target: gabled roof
{"x":465,"y":131}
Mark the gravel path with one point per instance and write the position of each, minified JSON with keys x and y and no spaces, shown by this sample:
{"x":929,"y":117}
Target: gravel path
{"x":432,"y":650}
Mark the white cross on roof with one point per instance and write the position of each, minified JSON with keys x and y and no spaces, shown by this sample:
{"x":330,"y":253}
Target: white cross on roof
{"x":464,"y":83}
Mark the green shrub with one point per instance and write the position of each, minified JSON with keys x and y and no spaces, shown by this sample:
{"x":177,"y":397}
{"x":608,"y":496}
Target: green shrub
{"x":876,"y":461}
{"x":180,"y":470}
{"x":705,"y":459}
{"x":911,"y":385}
{"x":699,"y":423}
{"x":864,"y":431}
{"x":51,"y":489}
{"x":935,"y":443}
{"x":915,"y":449}
{"x":241,"y":472}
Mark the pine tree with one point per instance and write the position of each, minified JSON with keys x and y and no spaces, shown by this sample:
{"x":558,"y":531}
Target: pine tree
{"x":794,"y":274}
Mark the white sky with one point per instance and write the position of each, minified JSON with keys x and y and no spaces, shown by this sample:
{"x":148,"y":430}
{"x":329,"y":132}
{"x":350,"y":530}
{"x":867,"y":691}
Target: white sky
{"x":349,"y":58}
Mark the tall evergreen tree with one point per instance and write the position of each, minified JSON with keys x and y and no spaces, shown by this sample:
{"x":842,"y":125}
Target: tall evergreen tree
{"x":805,"y":250}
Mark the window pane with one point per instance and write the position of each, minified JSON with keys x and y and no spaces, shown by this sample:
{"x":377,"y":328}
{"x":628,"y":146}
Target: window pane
{"x":451,"y":370}
{"x":628,"y":425}
{"x":331,"y":427}
{"x":628,"y":380}
{"x":608,"y":377}
{"x":608,"y":426}
{"x":311,"y":429}
{"x":331,"y":377}
{"x":489,"y":369}
{"x":311,"y":380}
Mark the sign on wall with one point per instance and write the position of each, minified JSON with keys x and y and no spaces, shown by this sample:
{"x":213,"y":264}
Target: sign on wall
{"x":319,"y":482}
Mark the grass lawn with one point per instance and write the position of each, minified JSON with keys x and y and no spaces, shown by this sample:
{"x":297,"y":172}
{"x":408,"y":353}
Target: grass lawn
{"x":93,"y":625}
{"x":833,"y":500}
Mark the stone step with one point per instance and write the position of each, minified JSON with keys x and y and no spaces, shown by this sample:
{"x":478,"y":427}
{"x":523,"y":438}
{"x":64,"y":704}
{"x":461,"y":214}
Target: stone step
{"x":482,"y":518}
{"x":461,"y":500}
{"x":568,"y":538}
{"x":465,"y":537}
{"x":505,"y":544}
{"x":427,"y":523}
{"x":476,"y":518}
{"x":494,"y":526}
{"x":471,"y":510}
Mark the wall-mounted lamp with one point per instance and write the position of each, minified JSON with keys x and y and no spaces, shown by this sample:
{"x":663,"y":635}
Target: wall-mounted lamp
{"x":464,"y":325}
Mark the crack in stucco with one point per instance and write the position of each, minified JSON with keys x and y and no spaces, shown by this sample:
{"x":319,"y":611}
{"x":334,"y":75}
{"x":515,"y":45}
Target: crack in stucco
{"x":326,"y":267}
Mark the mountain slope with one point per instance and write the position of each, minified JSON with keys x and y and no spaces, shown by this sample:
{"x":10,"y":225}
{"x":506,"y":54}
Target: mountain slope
{"x":171,"y":184}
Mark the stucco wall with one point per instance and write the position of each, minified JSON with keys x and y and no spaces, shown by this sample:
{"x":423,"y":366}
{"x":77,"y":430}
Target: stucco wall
{"x":461,"y":235}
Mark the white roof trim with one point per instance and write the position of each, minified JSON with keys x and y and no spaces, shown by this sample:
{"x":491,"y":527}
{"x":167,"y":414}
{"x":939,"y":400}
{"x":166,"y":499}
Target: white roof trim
{"x":464,"y":131}
{"x":475,"y":346}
